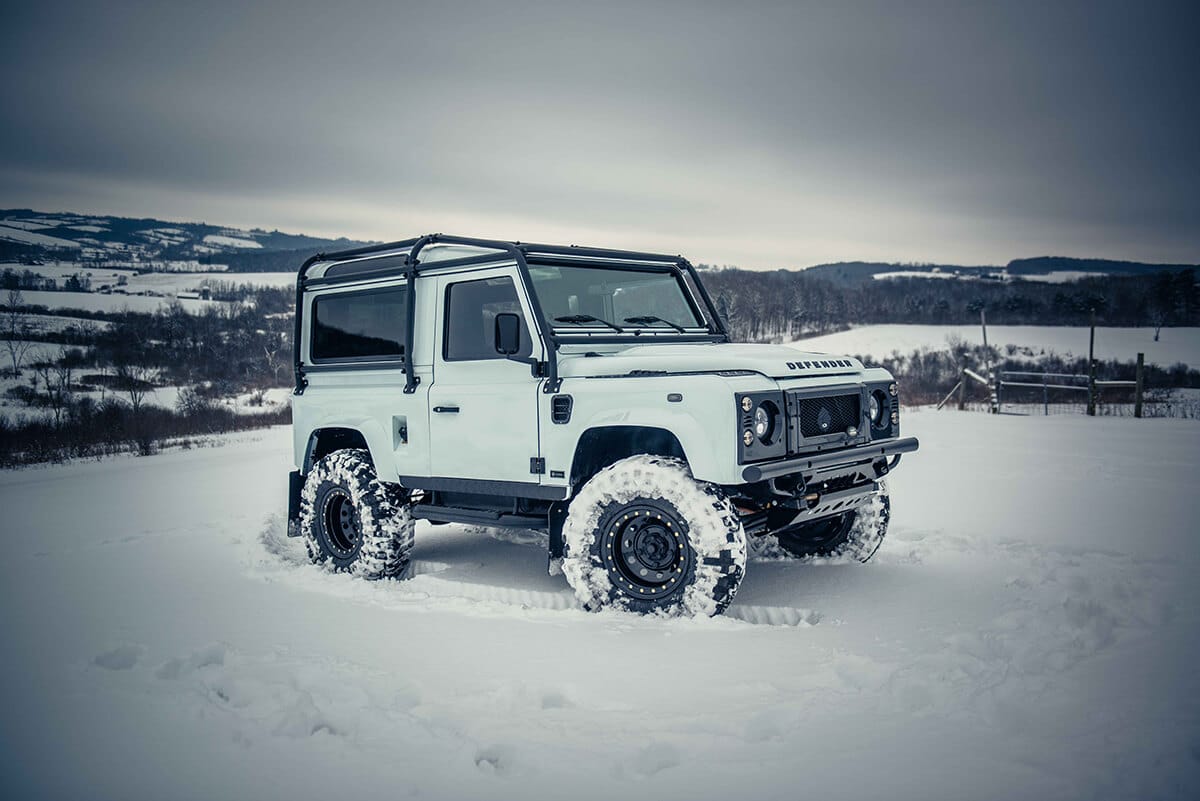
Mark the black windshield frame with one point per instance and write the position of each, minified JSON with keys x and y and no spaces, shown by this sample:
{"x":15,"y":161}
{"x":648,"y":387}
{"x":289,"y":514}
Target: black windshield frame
{"x":698,"y":323}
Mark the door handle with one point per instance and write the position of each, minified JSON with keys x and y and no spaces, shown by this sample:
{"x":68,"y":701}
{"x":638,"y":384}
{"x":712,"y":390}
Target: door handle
{"x":446,"y":409}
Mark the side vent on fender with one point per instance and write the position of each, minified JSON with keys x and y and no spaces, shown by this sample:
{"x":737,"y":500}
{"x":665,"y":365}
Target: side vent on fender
{"x":560,"y":409}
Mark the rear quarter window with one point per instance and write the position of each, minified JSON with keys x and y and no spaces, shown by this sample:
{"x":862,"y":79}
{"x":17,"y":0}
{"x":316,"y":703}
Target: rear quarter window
{"x":364,"y":325}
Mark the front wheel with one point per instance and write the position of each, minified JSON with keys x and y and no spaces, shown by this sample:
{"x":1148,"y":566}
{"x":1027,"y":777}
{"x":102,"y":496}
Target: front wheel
{"x":644,"y":535}
{"x":853,"y":535}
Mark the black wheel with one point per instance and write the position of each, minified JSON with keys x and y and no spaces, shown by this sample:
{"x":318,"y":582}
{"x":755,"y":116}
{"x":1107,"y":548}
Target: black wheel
{"x":855,"y":535}
{"x":644,"y":535}
{"x":341,"y":530}
{"x":645,"y":547}
{"x":352,"y":521}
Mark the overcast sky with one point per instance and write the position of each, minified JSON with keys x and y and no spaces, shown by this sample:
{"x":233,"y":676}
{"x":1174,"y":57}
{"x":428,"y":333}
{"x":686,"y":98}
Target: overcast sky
{"x":771,"y":135}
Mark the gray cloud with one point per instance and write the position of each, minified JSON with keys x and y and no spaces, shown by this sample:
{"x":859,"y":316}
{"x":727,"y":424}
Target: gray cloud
{"x":760,"y":134}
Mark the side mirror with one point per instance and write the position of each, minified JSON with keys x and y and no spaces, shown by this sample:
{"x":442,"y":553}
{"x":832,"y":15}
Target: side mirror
{"x":508,"y":333}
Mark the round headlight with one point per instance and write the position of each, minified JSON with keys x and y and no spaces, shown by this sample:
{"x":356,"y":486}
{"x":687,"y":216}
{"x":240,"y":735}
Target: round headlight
{"x":879,"y":408}
{"x":764,"y":421}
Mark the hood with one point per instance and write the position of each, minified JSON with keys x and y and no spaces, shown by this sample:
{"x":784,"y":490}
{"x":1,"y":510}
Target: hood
{"x":776,"y":361}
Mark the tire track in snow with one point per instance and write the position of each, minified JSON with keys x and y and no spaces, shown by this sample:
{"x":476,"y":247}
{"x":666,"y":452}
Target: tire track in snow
{"x":774,"y":615}
{"x":426,"y":580}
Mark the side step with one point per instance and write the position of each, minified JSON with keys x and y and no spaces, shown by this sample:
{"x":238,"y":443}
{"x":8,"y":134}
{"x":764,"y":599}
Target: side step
{"x":479,"y":517}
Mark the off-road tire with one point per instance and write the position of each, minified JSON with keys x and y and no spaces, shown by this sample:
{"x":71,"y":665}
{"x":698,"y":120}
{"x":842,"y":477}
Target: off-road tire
{"x":352,"y":521}
{"x":645,"y":536}
{"x":854,"y":535}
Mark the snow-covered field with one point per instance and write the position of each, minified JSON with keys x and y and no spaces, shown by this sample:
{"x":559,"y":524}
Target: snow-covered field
{"x":1052,"y":277}
{"x":168,"y":284}
{"x":1175,"y":344}
{"x":28,"y":236}
{"x":175,"y":282}
{"x":1029,"y":630}
{"x":167,"y":397}
{"x":231,"y":241}
{"x":94,"y":301}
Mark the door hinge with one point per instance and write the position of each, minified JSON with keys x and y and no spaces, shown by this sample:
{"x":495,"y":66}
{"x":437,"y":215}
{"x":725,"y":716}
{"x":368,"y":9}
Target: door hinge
{"x":537,"y":465}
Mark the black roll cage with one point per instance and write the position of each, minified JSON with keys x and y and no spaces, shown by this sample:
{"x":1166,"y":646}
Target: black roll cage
{"x":524,"y":254}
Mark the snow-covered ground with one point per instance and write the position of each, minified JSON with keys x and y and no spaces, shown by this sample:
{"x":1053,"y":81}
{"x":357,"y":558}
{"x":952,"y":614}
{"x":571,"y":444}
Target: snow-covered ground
{"x":1175,"y":344}
{"x":167,"y":397}
{"x":94,"y":301}
{"x":30,"y":237}
{"x":231,"y":241}
{"x":913,"y":274}
{"x":1052,"y":277}
{"x":168,"y":283}
{"x":1030,"y":629}
{"x":175,"y":282}
{"x":1057,"y":276}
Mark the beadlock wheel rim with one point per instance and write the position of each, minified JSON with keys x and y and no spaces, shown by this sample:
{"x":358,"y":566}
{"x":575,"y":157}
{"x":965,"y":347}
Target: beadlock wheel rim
{"x":343,"y":530}
{"x":645,"y":551}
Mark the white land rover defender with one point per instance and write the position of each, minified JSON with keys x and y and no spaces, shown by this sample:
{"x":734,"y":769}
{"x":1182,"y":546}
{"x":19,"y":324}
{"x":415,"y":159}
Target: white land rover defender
{"x":590,"y":393}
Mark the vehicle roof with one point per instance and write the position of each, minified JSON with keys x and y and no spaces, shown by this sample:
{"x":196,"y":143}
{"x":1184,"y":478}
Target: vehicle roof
{"x":434,"y":249}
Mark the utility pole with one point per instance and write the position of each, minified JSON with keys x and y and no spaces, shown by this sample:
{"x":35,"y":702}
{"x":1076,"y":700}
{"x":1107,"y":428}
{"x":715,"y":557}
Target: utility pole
{"x":1137,"y":392}
{"x":1091,"y":407}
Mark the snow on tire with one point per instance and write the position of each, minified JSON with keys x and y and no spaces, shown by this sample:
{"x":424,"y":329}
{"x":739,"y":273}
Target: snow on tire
{"x":351,"y":520}
{"x":644,"y":535}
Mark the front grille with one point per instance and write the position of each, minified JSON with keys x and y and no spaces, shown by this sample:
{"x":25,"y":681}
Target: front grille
{"x":831,"y":415}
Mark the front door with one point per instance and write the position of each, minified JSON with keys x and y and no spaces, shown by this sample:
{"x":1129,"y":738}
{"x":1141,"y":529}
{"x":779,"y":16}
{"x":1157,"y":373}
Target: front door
{"x":483,"y":410}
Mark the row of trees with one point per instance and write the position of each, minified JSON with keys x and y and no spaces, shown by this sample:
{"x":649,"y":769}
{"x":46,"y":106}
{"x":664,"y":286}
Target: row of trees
{"x":94,"y":389}
{"x":784,"y":305}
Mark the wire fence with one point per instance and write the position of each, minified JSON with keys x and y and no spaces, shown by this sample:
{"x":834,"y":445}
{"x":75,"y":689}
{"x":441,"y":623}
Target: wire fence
{"x":1033,"y":398}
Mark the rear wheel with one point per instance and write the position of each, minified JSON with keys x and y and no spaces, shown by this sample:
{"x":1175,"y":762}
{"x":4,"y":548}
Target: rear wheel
{"x":351,"y":520}
{"x":644,"y":535}
{"x":854,"y":535}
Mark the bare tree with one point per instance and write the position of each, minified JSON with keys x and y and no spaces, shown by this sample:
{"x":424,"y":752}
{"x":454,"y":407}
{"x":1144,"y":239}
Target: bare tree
{"x":134,"y":381}
{"x":56,"y":388}
{"x":16,"y":331}
{"x":275,"y":344}
{"x":1158,"y":318}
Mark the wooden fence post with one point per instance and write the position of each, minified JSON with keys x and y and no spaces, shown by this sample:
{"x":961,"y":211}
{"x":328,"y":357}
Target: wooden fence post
{"x":962,"y":388}
{"x":1091,"y":406}
{"x":993,"y":379}
{"x":1137,"y":391}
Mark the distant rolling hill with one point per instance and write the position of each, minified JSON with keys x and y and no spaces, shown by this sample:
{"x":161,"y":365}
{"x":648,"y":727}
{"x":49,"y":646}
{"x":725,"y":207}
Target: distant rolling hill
{"x":30,"y":235}
{"x":1039,"y":268}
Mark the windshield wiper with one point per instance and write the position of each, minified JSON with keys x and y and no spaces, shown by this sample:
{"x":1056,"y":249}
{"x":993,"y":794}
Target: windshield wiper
{"x":578,"y":319}
{"x":650,"y":318}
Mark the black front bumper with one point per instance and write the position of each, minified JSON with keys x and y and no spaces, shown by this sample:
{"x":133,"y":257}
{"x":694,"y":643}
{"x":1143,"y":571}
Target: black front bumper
{"x":816,"y":461}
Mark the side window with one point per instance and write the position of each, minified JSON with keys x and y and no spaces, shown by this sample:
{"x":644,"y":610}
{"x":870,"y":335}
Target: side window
{"x":471,"y":309}
{"x":359,"y":325}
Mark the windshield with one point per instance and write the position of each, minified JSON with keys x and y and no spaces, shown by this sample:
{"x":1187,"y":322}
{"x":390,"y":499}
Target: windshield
{"x":595,"y":297}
